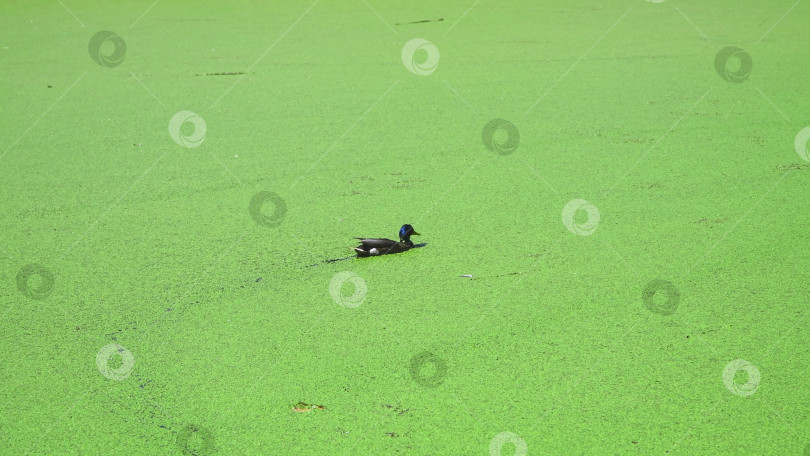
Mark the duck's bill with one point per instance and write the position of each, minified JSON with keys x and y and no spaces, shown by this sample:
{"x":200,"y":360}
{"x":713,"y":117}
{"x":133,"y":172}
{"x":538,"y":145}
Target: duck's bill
{"x":416,"y":233}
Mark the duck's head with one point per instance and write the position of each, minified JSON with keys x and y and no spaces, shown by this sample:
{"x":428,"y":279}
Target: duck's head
{"x":405,"y":234}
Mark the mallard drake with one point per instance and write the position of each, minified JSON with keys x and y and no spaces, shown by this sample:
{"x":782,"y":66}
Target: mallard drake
{"x":374,"y":247}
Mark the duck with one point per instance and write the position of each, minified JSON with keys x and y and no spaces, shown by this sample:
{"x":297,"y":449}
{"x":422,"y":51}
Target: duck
{"x":381,"y":246}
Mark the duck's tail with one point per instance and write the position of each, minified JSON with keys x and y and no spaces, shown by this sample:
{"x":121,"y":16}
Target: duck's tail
{"x":361,"y":253}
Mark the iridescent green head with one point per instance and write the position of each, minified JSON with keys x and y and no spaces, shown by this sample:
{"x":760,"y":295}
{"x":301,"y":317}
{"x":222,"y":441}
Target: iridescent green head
{"x":405,"y":234}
